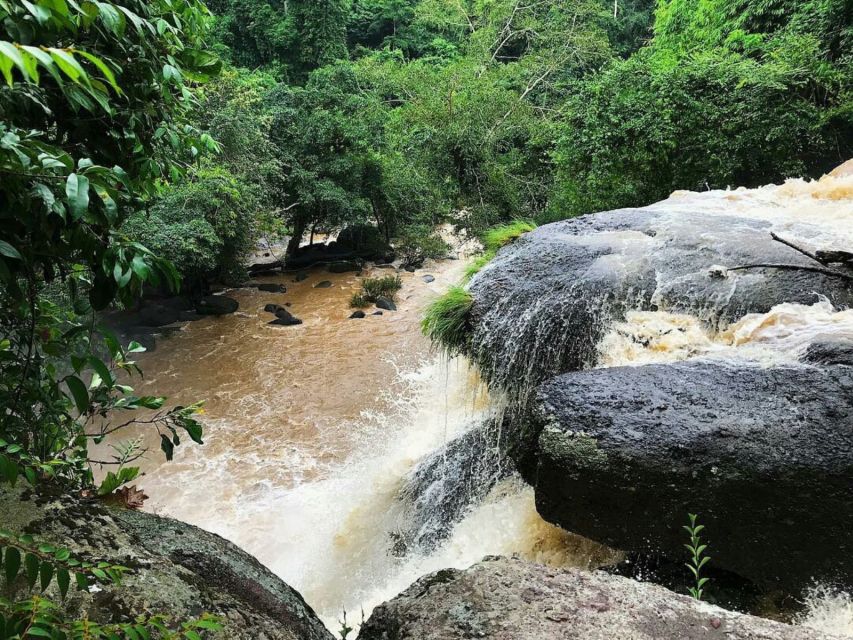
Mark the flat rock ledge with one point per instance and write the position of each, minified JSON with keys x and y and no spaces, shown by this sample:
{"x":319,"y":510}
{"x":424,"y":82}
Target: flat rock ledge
{"x":178,"y":570}
{"x":509,"y":599}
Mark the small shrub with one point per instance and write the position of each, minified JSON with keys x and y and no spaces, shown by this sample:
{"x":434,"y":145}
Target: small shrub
{"x":446,"y":320}
{"x":374,"y":288}
{"x":358,"y":300}
{"x":698,"y":559}
{"x":498,"y":237}
{"x":418,"y":243}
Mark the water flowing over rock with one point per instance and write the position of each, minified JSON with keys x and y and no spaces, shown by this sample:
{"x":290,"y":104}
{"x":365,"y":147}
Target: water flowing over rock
{"x":755,"y":433}
{"x":764,"y":455}
{"x":544,"y":303}
{"x":504,"y":599}
{"x":177,"y":570}
{"x":447,"y":483}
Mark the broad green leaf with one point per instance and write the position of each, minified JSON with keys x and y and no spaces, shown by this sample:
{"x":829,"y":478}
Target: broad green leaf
{"x":77,"y":191}
{"x":9,"y":251}
{"x":79,"y":393}
{"x":45,"y":574}
{"x":11,"y":564}
{"x":63,"y":579}
{"x":31,"y":563}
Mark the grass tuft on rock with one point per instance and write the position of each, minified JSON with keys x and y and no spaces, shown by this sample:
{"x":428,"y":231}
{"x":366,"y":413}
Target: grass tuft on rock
{"x":498,"y":237}
{"x":446,"y":320}
{"x":494,"y":239}
{"x":374,"y":288}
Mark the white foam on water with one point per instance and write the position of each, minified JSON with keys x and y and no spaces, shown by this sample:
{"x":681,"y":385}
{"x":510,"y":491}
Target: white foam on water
{"x":828,"y":610}
{"x":777,"y":337}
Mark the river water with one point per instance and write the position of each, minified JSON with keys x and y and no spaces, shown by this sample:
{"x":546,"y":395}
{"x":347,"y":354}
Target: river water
{"x":313,"y":430}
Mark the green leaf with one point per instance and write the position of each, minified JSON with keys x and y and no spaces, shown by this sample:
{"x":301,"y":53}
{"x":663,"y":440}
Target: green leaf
{"x":9,"y":251}
{"x":8,"y":469}
{"x":31,"y":563}
{"x":79,"y":393}
{"x":63,"y":580}
{"x":77,"y":190}
{"x":102,"y":370}
{"x":45,"y":574}
{"x":82,"y":581}
{"x":11,"y":564}
{"x":167,"y":447}
{"x":109,"y":76}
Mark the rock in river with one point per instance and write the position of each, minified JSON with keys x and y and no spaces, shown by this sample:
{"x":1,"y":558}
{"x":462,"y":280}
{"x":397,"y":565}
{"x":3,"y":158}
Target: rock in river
{"x":763,"y":455}
{"x":544,"y":303}
{"x":177,"y":570}
{"x":386,"y":303}
{"x":216,"y":305}
{"x":506,"y":599}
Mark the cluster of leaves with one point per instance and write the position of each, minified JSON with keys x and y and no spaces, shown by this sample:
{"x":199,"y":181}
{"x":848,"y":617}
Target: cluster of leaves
{"x":43,"y":563}
{"x":374,"y":288}
{"x":37,"y":617}
{"x":417,"y":243}
{"x":27,"y":564}
{"x":741,"y":93}
{"x":95,"y":108}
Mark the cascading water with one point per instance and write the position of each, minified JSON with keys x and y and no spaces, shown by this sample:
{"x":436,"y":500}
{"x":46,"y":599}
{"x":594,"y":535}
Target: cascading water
{"x":329,"y":449}
{"x":350,"y":494}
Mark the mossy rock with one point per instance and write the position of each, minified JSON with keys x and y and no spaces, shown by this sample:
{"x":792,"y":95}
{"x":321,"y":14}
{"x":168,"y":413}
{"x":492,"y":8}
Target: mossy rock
{"x":177,"y":570}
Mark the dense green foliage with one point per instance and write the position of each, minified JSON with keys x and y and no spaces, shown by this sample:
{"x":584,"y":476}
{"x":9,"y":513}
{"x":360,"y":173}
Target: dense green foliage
{"x":96,"y":108}
{"x":407,"y":113}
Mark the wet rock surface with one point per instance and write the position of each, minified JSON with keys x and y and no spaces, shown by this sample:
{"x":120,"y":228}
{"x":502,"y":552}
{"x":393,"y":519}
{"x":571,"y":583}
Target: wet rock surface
{"x":542,"y":305}
{"x":216,"y":305}
{"x":507,"y":599}
{"x":764,"y":455}
{"x":385,"y":303}
{"x":177,"y":570}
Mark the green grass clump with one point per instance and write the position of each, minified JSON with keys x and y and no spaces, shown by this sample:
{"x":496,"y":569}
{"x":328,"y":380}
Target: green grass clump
{"x":494,"y":239}
{"x":474,"y":267}
{"x":446,"y":320}
{"x":498,"y":237}
{"x":374,"y":288}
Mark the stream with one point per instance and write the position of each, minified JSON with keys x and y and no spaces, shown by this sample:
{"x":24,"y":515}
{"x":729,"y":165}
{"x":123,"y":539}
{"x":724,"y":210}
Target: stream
{"x":313,"y":431}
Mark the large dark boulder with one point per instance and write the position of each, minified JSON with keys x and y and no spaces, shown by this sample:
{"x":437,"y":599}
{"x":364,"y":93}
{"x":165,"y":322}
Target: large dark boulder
{"x":764,"y":455}
{"x":365,"y":241}
{"x":505,"y":599}
{"x":542,"y":305}
{"x":177,"y":570}
{"x":216,"y":305}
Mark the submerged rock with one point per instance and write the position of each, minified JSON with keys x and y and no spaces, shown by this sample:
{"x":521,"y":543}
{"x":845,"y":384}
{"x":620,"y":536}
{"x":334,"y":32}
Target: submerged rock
{"x":763,"y":455}
{"x":285,"y":318}
{"x":271,"y":287}
{"x":428,"y":278}
{"x":177,"y":570}
{"x":216,"y":305}
{"x":325,"y":284}
{"x":507,"y":599}
{"x":357,"y":314}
